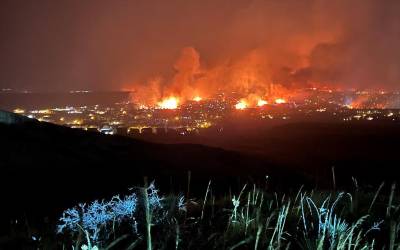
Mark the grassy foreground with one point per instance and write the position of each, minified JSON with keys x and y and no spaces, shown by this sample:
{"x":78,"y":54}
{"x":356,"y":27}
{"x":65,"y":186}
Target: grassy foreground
{"x":254,"y":218}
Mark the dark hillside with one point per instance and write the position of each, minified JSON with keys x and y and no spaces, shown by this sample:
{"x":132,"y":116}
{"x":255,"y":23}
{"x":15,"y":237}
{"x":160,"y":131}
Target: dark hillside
{"x":45,"y":166}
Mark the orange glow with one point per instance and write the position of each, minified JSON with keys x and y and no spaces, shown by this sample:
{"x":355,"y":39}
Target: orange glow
{"x":193,"y":82}
{"x":197,"y":99}
{"x":261,"y":102}
{"x":280,"y":101}
{"x":169,"y":103}
{"x":241,"y":105}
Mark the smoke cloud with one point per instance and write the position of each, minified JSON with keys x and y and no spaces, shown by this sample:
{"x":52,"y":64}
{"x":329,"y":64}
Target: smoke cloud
{"x":161,"y":48}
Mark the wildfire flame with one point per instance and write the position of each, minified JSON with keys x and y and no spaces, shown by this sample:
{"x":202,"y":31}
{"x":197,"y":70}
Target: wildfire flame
{"x":280,"y":101}
{"x":192,"y":82}
{"x":241,"y":105}
{"x":261,"y":102}
{"x":169,"y":103}
{"x":197,"y":99}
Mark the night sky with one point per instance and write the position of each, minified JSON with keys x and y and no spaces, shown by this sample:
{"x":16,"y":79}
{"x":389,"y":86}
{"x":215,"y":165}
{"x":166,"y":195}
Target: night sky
{"x":62,"y":45}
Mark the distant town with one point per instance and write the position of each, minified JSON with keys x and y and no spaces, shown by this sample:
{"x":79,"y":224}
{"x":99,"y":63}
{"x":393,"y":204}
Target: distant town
{"x":122,"y":115}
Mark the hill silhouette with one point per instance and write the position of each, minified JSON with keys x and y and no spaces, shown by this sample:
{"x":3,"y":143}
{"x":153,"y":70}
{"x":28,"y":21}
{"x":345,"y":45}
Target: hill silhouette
{"x":46,"y":167}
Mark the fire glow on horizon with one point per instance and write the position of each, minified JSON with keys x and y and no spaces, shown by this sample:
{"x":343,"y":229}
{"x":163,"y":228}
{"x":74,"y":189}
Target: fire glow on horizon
{"x":261,"y":103}
{"x":197,"y":99}
{"x":280,"y":101}
{"x":169,"y":103}
{"x":241,"y":105}
{"x":192,"y":82}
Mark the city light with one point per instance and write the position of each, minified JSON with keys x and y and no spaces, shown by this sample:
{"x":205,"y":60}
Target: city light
{"x":370,"y":106}
{"x":19,"y":111}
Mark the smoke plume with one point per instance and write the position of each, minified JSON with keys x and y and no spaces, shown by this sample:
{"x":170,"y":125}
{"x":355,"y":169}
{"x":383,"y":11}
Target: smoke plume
{"x":187,"y":48}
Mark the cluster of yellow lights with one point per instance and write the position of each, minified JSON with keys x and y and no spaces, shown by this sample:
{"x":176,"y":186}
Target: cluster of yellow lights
{"x":204,"y":124}
{"x":42,"y":111}
{"x":77,"y":122}
{"x":241,"y":105}
{"x":169,"y":103}
{"x":142,"y":106}
{"x":19,"y":111}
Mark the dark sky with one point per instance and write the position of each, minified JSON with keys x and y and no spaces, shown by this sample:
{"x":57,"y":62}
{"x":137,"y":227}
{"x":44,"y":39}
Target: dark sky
{"x":63,"y":45}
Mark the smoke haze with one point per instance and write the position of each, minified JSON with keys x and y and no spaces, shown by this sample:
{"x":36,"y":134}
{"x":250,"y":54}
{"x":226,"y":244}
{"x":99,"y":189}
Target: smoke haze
{"x":177,"y":46}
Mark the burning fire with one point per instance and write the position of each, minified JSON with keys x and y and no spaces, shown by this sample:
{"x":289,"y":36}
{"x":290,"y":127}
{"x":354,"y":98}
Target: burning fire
{"x":197,"y":99}
{"x":169,"y":103}
{"x":241,"y":105}
{"x":261,"y":102}
{"x":191,"y":79}
{"x":280,"y":101}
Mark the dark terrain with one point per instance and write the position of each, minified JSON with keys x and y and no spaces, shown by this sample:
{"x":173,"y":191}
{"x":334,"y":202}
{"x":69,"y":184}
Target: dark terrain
{"x":368,"y":151}
{"x":45,"y":167}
